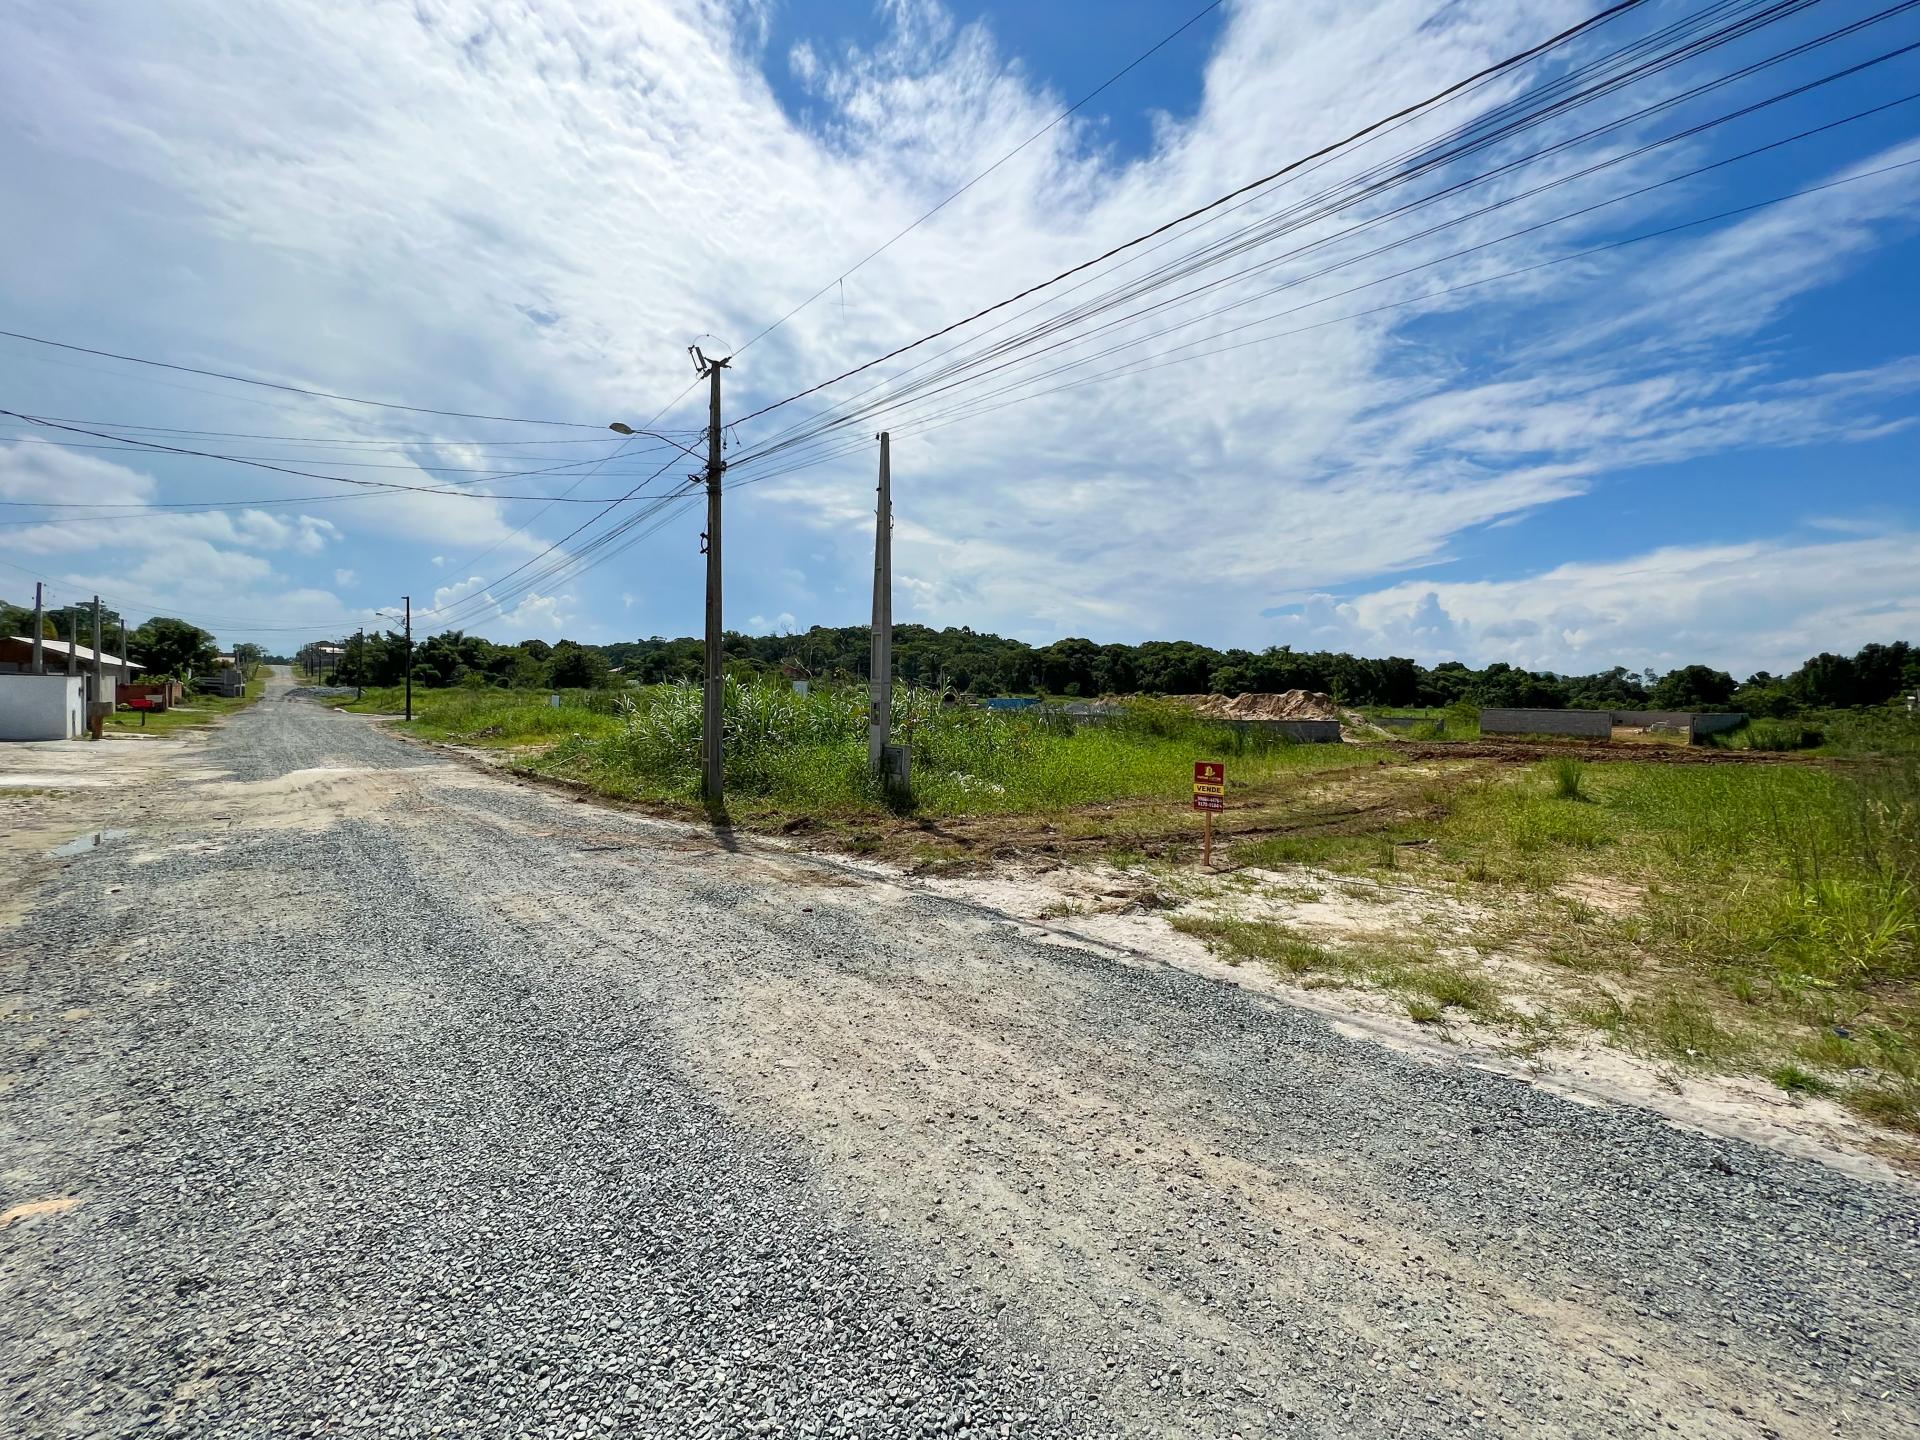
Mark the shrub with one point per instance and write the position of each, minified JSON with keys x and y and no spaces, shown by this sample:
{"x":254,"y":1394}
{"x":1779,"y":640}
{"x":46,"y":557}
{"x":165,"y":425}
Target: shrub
{"x":1766,"y":734}
{"x":1567,"y":775}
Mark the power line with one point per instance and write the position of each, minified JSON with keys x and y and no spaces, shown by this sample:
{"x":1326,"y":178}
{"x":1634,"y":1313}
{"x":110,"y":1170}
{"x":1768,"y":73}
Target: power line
{"x":1084,"y":100}
{"x":1156,"y":362}
{"x":891,"y":404}
{"x":1430,"y":157}
{"x":294,"y":389}
{"x":314,"y":474}
{"x":558,"y":465}
{"x":370,"y":442}
{"x":1518,"y":58}
{"x":527,"y":524}
{"x":1678,"y":29}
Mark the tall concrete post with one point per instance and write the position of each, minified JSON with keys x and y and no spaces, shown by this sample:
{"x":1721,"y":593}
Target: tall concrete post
{"x":880,"y":654}
{"x":407,"y":600}
{"x":39,"y":629}
{"x":97,"y":672}
{"x":713,"y":764}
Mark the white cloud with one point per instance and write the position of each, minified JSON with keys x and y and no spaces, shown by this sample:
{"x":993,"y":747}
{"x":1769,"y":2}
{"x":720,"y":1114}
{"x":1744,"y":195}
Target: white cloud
{"x":1759,"y":605}
{"x":529,"y":210}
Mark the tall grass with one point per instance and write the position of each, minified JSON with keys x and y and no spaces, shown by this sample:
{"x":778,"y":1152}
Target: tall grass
{"x":1765,"y":734}
{"x":495,"y":716}
{"x":810,"y":752}
{"x":1567,"y":774}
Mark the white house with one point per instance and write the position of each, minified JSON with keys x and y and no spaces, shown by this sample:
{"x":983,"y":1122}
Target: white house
{"x":16,"y":658}
{"x":42,"y":707}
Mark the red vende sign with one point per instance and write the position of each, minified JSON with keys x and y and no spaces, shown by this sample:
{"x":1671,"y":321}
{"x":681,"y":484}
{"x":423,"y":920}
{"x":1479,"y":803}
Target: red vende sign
{"x":1209,"y":772}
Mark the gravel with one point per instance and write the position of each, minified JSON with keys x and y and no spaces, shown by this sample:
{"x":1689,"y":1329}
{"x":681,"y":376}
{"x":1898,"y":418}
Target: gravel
{"x":481,"y":1111}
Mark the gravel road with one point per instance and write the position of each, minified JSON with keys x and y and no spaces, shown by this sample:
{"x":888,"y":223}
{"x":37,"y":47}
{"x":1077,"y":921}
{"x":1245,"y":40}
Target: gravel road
{"x":353,"y":1090}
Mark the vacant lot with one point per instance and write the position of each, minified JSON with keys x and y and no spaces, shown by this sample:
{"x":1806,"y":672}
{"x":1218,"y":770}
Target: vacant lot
{"x":1729,"y":910}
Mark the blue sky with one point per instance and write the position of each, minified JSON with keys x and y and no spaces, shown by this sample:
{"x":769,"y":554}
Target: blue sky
{"x":1694,"y":447}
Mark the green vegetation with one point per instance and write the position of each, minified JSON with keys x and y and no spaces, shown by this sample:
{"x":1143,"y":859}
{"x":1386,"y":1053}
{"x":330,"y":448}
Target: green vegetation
{"x":1567,"y":773}
{"x":474,"y":715}
{"x":197,"y":710}
{"x":983,"y":780}
{"x":968,"y":661}
{"x":807,"y":755}
{"x":1761,"y":916}
{"x":1429,"y":984}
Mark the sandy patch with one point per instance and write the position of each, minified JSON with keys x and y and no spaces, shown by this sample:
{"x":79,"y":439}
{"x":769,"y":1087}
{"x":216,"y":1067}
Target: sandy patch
{"x":310,"y":799}
{"x":1097,"y":908}
{"x":38,"y":1210}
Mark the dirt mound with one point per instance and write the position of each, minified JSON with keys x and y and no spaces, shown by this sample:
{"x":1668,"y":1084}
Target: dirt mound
{"x":1254,"y":705}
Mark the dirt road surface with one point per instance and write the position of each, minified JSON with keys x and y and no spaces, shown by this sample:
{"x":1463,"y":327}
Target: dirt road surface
{"x":351,"y":1090}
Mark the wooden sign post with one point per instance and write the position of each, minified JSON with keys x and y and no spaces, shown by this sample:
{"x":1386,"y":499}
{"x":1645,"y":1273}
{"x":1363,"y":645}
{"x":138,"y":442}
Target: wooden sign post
{"x":1209,"y":795}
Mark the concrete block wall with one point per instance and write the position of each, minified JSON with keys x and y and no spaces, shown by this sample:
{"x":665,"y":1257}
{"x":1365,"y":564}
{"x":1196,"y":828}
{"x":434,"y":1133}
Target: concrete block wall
{"x":1588,"y":724}
{"x":42,"y":707}
{"x":1698,"y":722}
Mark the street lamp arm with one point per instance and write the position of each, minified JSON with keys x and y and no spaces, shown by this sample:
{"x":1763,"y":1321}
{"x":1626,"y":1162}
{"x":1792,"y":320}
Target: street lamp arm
{"x":621,"y":428}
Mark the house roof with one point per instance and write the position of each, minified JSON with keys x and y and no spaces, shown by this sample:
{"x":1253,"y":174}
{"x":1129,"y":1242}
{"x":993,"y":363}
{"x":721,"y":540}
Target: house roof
{"x":81,"y":653}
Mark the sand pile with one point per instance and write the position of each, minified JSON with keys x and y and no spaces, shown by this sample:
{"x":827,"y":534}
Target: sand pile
{"x":1252,"y":705}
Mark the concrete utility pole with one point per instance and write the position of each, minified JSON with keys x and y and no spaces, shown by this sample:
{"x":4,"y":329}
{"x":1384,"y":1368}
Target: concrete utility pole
{"x":880,"y":653}
{"x":407,"y":600}
{"x":359,"y":661}
{"x":39,"y":629}
{"x":97,"y":676}
{"x":712,"y":711}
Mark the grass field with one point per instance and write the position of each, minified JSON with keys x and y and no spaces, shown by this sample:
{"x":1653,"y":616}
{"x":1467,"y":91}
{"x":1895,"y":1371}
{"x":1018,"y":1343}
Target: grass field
{"x":1752,"y":917}
{"x":794,"y":759}
{"x":197,"y":710}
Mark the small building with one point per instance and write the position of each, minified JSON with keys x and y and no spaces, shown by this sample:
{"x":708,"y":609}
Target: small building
{"x":42,"y":707}
{"x":16,"y":658}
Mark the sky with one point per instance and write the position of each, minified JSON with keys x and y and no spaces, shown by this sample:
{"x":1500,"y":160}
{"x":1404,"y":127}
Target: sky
{"x":1636,"y":384}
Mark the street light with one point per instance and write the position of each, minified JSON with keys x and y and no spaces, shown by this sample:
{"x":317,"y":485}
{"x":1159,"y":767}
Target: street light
{"x":620,"y":427}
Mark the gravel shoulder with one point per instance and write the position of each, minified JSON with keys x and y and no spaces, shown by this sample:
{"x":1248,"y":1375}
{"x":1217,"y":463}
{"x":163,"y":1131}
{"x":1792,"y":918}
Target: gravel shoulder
{"x":355,"y":1089}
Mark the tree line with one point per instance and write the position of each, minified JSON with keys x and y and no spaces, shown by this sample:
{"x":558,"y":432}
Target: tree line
{"x":970,"y":661}
{"x":975,"y":662}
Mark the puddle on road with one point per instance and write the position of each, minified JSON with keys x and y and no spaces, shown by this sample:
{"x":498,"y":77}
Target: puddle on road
{"x":92,"y":841}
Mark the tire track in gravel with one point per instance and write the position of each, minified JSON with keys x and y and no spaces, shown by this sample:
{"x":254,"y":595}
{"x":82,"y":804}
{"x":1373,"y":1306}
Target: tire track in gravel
{"x":407,"y":1175}
{"x":979,"y":1100}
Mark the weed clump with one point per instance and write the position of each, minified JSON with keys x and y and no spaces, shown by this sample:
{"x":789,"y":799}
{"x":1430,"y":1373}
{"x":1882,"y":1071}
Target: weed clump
{"x":1568,"y":775}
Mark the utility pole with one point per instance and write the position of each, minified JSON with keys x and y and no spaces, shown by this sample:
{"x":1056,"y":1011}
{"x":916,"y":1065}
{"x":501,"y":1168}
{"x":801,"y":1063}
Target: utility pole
{"x":73,"y":639}
{"x":407,"y":600}
{"x":880,"y":653}
{"x":98,"y":678}
{"x":713,"y":759}
{"x":359,"y":662}
{"x":39,"y":629}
